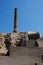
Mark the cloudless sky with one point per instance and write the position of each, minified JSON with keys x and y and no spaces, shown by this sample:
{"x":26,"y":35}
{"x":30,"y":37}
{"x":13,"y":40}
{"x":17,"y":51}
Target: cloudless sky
{"x":30,"y":15}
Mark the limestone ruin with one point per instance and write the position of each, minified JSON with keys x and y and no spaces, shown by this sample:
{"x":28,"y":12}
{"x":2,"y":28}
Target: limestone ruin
{"x":27,"y":46}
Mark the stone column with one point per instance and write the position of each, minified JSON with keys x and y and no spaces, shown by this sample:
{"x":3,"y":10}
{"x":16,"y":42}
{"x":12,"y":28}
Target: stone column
{"x":15,"y":21}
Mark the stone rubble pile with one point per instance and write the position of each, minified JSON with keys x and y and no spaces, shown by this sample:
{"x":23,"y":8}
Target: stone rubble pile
{"x":28,"y":39}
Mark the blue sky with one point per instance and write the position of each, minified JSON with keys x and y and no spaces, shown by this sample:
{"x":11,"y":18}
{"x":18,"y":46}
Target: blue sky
{"x":30,"y":15}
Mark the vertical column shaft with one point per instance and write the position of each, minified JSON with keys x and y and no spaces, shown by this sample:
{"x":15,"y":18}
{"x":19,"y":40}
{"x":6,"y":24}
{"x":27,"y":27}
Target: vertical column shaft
{"x":15,"y":21}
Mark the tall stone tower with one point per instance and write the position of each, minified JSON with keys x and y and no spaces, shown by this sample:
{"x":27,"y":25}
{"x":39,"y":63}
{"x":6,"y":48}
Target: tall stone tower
{"x":15,"y":21}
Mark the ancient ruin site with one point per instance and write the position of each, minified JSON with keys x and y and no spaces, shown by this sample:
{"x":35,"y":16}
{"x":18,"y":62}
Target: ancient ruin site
{"x":21,"y":48}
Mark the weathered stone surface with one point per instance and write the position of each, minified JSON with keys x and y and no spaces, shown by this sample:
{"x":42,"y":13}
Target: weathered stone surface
{"x":25,"y":51}
{"x":40,"y":42}
{"x":28,"y":50}
{"x":4,"y":60}
{"x":18,"y":39}
{"x":20,"y":60}
{"x":25,"y":60}
{"x":3,"y":49}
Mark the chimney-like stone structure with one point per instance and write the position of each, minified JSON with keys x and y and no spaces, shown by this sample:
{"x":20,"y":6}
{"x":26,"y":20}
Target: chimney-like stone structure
{"x":15,"y":21}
